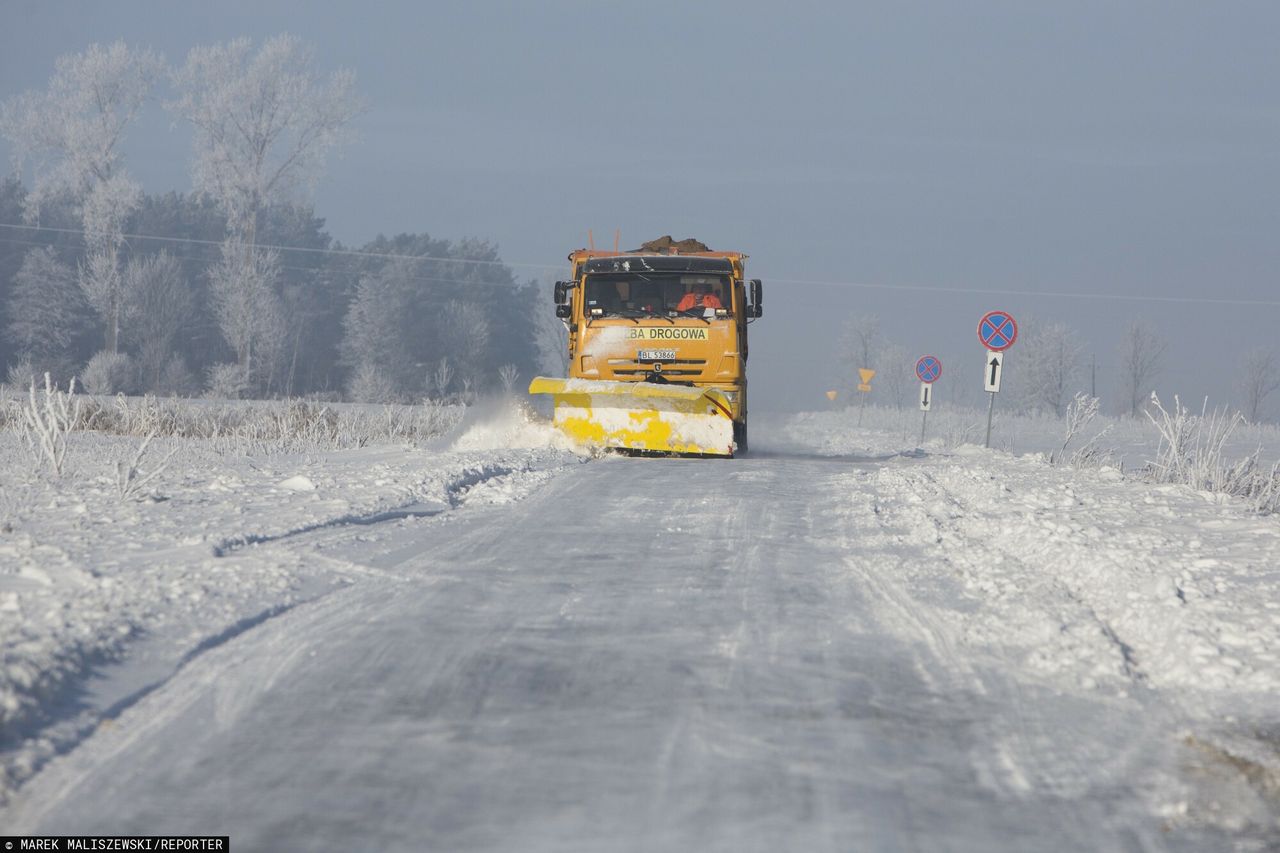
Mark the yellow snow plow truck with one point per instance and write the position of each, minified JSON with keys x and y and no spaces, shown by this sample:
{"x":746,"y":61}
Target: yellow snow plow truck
{"x":657,"y":349}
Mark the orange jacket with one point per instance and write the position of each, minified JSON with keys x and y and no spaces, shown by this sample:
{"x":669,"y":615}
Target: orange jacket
{"x":695,"y":300}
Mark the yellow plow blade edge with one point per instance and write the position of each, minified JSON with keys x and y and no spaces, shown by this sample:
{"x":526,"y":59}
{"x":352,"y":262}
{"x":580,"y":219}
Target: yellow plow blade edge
{"x":641,"y":415}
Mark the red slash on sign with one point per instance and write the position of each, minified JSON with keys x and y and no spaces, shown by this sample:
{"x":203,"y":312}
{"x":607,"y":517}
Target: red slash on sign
{"x":997,"y":330}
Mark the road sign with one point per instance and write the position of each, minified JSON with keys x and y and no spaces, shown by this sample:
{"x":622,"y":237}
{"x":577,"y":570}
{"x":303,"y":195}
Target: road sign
{"x":831,"y":395}
{"x":865,"y":375}
{"x":864,"y":387}
{"x":997,"y":330}
{"x":929,"y":368}
{"x":926,"y":396}
{"x":993,"y":370}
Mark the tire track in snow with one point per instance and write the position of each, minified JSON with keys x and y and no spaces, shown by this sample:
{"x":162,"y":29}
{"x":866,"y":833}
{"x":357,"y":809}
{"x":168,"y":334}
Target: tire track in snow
{"x":1028,"y":755}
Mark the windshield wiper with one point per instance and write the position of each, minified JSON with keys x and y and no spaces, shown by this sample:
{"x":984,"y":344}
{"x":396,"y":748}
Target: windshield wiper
{"x":688,"y":312}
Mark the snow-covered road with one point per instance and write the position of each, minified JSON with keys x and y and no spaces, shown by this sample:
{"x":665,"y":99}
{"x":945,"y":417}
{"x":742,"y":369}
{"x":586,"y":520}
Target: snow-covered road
{"x":785,"y":651}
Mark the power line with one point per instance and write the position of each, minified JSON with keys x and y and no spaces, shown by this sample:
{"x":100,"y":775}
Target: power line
{"x":345,"y":252}
{"x":325,"y":270}
{"x":1194,"y":300}
{"x":916,"y":288}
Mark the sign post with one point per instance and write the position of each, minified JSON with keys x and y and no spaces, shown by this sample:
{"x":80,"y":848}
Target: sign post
{"x":997,"y":330}
{"x":928,"y":369}
{"x":864,"y":385}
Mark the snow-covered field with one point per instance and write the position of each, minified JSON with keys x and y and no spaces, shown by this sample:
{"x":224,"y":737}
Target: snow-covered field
{"x":1039,"y":597}
{"x":1126,"y":443}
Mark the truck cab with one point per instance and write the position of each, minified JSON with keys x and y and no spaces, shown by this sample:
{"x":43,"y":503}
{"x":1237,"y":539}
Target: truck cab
{"x":677,"y":319}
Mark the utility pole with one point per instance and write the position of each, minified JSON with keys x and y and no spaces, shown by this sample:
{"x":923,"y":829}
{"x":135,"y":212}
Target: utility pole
{"x":1093,"y":375}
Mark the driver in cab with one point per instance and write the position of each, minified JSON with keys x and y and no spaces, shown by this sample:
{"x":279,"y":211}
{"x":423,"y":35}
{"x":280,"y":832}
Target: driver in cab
{"x":700,"y":297}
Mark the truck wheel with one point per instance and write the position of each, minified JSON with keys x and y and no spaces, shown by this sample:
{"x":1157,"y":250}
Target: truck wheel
{"x":740,"y":437}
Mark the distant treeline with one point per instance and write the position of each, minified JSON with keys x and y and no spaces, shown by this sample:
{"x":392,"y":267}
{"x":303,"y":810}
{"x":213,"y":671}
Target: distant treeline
{"x":352,"y":322}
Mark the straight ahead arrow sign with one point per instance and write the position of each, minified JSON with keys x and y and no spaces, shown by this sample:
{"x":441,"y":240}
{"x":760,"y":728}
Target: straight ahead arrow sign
{"x":994,"y":370}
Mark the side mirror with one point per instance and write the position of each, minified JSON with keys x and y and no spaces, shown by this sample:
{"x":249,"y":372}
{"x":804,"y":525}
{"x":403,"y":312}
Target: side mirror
{"x":562,"y":292}
{"x":757,"y":298}
{"x":563,"y":311}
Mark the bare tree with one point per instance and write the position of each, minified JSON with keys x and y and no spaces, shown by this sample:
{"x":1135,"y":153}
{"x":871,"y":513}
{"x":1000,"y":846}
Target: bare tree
{"x":896,"y":373}
{"x":441,"y":377}
{"x":72,"y":133}
{"x":1050,"y":362}
{"x":550,"y":334}
{"x":862,"y":340}
{"x":264,"y":122}
{"x":1140,"y":353}
{"x":860,"y":344}
{"x":1259,"y":378}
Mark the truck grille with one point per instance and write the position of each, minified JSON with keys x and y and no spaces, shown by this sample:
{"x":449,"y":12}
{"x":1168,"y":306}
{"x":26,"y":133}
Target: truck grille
{"x":673,"y":368}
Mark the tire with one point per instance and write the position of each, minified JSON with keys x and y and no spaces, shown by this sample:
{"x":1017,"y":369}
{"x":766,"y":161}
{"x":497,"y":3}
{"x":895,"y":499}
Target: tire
{"x":740,"y":437}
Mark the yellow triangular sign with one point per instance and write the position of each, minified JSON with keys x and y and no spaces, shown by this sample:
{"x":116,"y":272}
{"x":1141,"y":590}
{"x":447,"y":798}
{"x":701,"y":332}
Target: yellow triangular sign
{"x":831,"y":395}
{"x":866,"y":375}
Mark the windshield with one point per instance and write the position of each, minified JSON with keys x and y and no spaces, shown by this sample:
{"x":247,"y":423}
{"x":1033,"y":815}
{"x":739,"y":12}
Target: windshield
{"x":666,"y":294}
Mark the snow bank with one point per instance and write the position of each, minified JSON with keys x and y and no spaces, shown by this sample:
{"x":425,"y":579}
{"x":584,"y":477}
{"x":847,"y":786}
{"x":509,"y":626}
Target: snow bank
{"x":508,"y":425}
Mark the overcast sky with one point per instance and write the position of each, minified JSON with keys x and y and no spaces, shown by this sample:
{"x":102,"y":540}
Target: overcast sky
{"x":1120,"y":149}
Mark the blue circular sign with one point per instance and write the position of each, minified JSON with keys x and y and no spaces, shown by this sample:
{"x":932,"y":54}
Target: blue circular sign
{"x":997,"y":331}
{"x":929,"y":368}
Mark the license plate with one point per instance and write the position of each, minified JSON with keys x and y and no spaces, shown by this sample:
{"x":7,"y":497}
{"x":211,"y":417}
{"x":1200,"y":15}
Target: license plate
{"x":656,"y":355}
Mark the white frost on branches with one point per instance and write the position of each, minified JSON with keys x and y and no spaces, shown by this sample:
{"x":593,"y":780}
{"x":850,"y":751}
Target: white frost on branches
{"x":245,"y":302}
{"x":71,"y":134}
{"x":1050,"y":363}
{"x":263,"y":121}
{"x":47,"y":421}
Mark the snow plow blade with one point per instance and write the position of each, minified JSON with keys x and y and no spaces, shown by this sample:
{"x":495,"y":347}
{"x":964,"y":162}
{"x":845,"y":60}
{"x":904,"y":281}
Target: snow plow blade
{"x":644,"y":416}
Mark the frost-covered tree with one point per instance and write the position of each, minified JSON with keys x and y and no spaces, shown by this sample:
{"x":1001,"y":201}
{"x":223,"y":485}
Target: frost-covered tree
{"x":465,"y":334}
{"x":551,"y":335}
{"x":1049,"y":363}
{"x":47,"y":312}
{"x":161,"y":308}
{"x":245,"y":303}
{"x":1141,"y":351}
{"x":895,"y":375}
{"x":71,"y":135}
{"x":1259,"y":378}
{"x":264,"y":122}
{"x":861,"y":342}
{"x":380,"y":342}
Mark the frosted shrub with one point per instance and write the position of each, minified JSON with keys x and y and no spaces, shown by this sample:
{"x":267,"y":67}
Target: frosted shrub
{"x":1079,"y":414}
{"x":131,"y":479}
{"x":507,"y":376}
{"x":1190,"y":454}
{"x":371,"y":385}
{"x":176,"y":378}
{"x":21,"y":375}
{"x":1190,"y":450}
{"x":48,"y":420}
{"x":108,"y":373}
{"x":226,"y":382}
